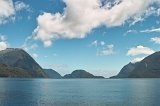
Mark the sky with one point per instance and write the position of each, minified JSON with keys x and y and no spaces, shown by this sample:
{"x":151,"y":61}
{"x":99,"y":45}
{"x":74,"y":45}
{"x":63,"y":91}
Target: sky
{"x":99,"y":36}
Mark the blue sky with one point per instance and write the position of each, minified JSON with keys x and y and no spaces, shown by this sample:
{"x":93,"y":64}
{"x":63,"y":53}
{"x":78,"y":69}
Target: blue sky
{"x":82,"y":34}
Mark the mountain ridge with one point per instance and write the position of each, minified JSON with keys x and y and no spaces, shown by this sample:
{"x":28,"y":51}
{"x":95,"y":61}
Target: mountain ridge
{"x":149,"y":67}
{"x":20,"y":59}
{"x":52,"y":74}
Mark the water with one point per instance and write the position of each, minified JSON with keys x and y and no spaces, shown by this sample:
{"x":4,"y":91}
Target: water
{"x":79,"y":92}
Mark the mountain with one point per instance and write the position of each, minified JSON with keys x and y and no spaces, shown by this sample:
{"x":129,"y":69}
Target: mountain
{"x":15,"y":62}
{"x":126,"y":70}
{"x":149,"y":67}
{"x":81,"y":74}
{"x":7,"y":71}
{"x":52,"y":74}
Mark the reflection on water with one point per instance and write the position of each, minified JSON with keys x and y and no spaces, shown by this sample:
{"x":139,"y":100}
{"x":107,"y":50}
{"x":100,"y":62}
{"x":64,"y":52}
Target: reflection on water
{"x":79,"y":92}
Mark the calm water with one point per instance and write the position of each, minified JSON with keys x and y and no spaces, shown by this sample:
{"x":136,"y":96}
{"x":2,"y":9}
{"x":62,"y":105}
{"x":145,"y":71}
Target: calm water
{"x":79,"y":92}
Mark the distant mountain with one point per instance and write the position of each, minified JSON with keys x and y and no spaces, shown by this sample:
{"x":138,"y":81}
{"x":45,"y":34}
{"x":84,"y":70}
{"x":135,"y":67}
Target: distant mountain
{"x":149,"y":67}
{"x":52,"y":74}
{"x":126,"y":70}
{"x":16,"y":62}
{"x":81,"y":74}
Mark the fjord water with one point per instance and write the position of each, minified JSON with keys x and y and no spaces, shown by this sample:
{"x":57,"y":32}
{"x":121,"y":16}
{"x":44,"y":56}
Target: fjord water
{"x":79,"y":92}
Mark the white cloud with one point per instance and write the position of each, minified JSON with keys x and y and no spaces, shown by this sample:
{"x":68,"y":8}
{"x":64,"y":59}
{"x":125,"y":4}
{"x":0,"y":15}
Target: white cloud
{"x":94,"y":43}
{"x":47,"y":43}
{"x":6,"y":10}
{"x":136,"y":19}
{"x":33,"y":46}
{"x":158,"y":12}
{"x":156,"y":40}
{"x":34,"y":55}
{"x":97,"y":43}
{"x":29,"y":44}
{"x":150,"y":11}
{"x":2,"y":37}
{"x":151,"y":30}
{"x":3,"y":43}
{"x":105,"y":51}
{"x":139,"y":50}
{"x":129,"y":31}
{"x":102,"y":48}
{"x":81,"y":16}
{"x":137,"y":59}
{"x":29,"y":47}
{"x":19,"y":5}
{"x":102,"y":43}
{"x":153,"y":11}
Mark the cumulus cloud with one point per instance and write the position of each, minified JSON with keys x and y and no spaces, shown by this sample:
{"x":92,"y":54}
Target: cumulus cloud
{"x":156,"y":40}
{"x":105,"y":51}
{"x":102,"y":48}
{"x":3,"y":42}
{"x":34,"y":55}
{"x":19,"y":5}
{"x":29,"y":44}
{"x":81,"y":16}
{"x":139,"y":50}
{"x":137,"y":59}
{"x":6,"y":10}
{"x":3,"y":45}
